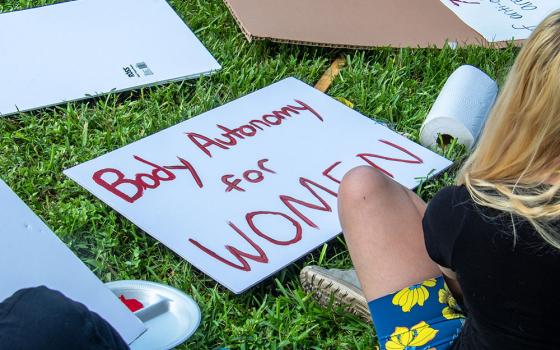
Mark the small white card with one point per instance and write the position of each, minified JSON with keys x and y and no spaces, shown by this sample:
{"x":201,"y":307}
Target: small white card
{"x":245,"y":189}
{"x":31,"y":255}
{"x":502,"y":20}
{"x":78,"y":49}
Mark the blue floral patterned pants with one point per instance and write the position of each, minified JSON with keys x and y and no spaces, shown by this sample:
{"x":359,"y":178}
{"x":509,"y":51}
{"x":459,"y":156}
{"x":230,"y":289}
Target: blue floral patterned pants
{"x":424,"y":316}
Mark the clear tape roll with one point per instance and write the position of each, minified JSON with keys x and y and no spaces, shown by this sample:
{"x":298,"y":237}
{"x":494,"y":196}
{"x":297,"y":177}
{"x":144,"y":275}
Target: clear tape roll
{"x":461,"y":108}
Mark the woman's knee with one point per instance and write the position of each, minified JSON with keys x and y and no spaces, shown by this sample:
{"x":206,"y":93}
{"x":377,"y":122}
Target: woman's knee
{"x":361,"y":182}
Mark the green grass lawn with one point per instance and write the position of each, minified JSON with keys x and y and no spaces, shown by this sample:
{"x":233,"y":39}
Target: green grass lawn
{"x":391,"y":85}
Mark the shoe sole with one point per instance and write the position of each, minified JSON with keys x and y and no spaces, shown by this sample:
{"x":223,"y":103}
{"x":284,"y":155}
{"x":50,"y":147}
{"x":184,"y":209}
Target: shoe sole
{"x":326,"y":289}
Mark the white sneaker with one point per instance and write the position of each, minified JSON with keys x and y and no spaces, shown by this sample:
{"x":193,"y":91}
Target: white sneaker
{"x":342,"y":286}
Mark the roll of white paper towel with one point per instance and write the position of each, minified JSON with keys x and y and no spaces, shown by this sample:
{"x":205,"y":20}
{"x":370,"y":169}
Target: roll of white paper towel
{"x":461,"y":108}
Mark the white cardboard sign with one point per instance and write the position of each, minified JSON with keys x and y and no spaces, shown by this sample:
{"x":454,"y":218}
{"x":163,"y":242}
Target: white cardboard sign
{"x":78,"y":49}
{"x":31,"y":255}
{"x":247,"y":188}
{"x":502,"y":20}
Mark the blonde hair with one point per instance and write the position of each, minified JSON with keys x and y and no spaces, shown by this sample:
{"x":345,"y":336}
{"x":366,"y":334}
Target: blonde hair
{"x":518,"y":153}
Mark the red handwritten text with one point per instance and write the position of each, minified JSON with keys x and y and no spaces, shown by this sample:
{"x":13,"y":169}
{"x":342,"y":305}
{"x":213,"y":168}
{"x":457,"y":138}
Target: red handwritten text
{"x":252,"y":176}
{"x":142,"y":181}
{"x":366,"y":157}
{"x":290,"y":203}
{"x":230,"y":137}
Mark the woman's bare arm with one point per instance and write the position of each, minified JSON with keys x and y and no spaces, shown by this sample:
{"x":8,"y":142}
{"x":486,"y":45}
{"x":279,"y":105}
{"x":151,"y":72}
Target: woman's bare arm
{"x":451,"y":279}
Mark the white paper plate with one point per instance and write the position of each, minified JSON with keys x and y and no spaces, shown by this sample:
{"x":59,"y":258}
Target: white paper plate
{"x":170,"y":315}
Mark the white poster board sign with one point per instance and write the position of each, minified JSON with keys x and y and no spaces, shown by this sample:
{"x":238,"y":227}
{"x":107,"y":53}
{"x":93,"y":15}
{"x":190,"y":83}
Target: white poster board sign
{"x":78,"y":49}
{"x":502,"y":20}
{"x":31,"y":255}
{"x":247,"y":188}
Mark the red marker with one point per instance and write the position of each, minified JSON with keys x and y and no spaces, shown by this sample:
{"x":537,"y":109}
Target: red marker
{"x":132,"y":304}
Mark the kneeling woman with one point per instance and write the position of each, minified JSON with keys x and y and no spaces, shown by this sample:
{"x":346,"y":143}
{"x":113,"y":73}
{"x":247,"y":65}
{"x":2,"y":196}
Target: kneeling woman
{"x":492,"y":241}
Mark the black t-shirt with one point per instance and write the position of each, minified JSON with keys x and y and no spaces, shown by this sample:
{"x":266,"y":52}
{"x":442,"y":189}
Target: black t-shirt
{"x":511,"y":288}
{"x":41,"y":318}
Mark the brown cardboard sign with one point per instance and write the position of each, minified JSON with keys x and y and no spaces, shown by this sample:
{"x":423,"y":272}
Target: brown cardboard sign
{"x":354,"y":23}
